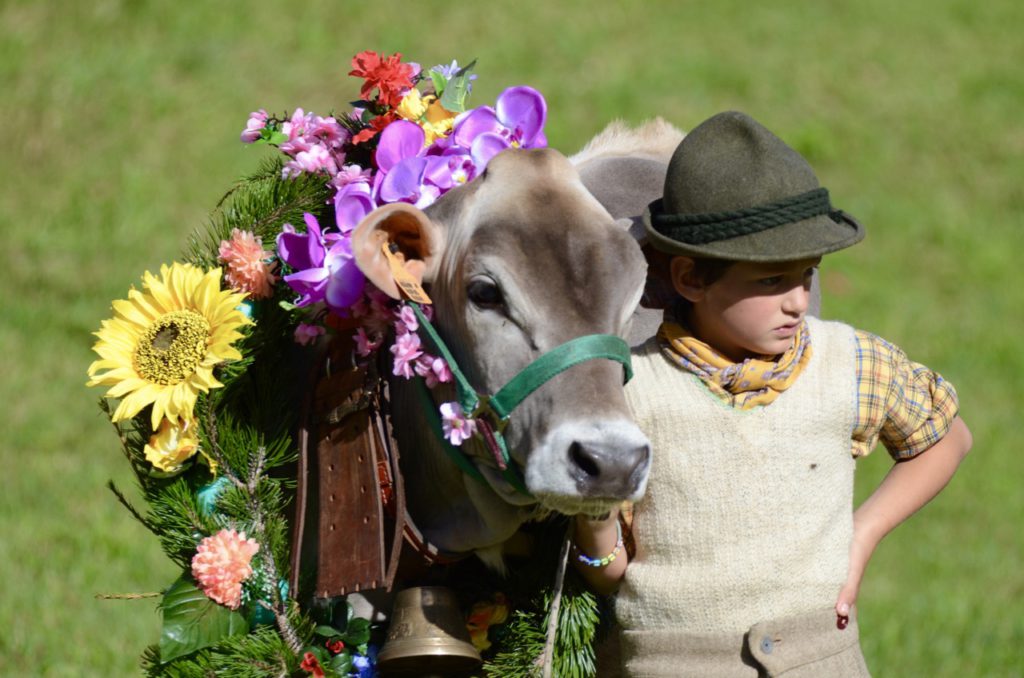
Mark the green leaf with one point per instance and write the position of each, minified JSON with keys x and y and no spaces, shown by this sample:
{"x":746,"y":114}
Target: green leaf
{"x":342,"y":663}
{"x":440,"y":82}
{"x":192,"y":621}
{"x":454,"y":97}
{"x":271,"y":136}
{"x":327,"y":631}
{"x":358,"y":631}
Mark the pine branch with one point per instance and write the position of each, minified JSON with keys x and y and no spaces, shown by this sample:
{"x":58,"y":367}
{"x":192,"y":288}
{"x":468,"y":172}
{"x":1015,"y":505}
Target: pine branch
{"x":258,"y":513}
{"x":128,"y":596}
{"x":131,"y":509}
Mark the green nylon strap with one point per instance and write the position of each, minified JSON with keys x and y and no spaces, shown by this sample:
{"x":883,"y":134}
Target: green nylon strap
{"x":466,"y":394}
{"x":556,"y":361}
{"x":434,"y":420}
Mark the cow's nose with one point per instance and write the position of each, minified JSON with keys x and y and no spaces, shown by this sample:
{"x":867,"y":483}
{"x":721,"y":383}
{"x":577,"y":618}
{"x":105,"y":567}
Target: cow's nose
{"x":603,"y":470}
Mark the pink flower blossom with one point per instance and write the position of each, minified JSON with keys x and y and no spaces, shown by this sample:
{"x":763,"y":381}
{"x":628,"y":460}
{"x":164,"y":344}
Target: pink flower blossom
{"x":405,"y":320}
{"x":254,"y":126}
{"x":365,"y":345}
{"x":352,"y":174}
{"x":456,"y":426}
{"x":246,"y":262}
{"x":296,"y":127}
{"x":433,"y":369}
{"x":312,"y":160}
{"x":328,"y":130}
{"x":306,"y":333}
{"x":406,"y":350}
{"x":222,"y":563}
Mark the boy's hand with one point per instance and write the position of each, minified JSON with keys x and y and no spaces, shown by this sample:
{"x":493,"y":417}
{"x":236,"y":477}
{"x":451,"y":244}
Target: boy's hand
{"x":861,"y":549}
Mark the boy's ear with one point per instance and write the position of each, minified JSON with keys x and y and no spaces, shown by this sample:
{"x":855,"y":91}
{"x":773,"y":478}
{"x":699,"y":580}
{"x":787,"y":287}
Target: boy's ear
{"x":683,"y":280}
{"x":418,"y":241}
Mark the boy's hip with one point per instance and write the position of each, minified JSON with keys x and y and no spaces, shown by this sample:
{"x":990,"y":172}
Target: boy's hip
{"x":808,"y":645}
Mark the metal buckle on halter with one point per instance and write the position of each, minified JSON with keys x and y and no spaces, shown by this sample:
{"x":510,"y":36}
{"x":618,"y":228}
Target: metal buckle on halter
{"x":485,"y":409}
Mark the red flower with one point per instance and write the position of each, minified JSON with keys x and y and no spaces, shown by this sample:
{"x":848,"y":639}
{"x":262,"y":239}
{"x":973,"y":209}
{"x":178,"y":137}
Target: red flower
{"x":389,"y":75}
{"x":310,"y":664}
{"x":335,"y":646}
{"x":376,"y":125}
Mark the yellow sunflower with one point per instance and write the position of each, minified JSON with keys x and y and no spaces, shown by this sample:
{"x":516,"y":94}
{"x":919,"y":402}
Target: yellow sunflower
{"x":162,"y":344}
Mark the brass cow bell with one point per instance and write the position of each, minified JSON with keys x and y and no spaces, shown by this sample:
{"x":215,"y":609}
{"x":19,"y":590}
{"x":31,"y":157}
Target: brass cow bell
{"x":427,"y":635}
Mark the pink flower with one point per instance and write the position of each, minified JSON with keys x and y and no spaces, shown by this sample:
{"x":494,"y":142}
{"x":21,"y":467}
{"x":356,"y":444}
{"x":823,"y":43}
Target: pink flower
{"x":365,"y":345}
{"x":221,"y":564}
{"x":254,"y":126}
{"x":306,"y":333}
{"x":352,"y":174}
{"x":328,"y":130}
{"x":406,"y":350}
{"x":311,"y":160}
{"x":246,"y":262}
{"x":405,"y":320}
{"x":296,"y":127}
{"x":433,"y":369}
{"x":456,"y":426}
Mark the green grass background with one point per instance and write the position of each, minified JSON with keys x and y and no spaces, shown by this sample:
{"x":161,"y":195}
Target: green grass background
{"x":120,"y":124}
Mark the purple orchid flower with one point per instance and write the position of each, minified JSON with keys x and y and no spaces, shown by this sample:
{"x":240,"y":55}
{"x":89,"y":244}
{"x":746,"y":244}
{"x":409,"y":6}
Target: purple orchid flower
{"x":324,"y":267}
{"x":352,"y":202}
{"x":406,"y":173}
{"x":517,"y":121}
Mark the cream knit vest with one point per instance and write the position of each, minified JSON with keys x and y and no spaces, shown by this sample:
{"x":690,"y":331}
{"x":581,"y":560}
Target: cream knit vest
{"x":748,"y":514}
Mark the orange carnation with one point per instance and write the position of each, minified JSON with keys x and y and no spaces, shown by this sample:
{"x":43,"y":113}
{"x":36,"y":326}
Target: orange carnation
{"x":247,"y":268}
{"x":389,"y":75}
{"x":222,"y":563}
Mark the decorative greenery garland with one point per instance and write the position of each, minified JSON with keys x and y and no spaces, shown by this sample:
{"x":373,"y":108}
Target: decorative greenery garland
{"x":201,"y":363}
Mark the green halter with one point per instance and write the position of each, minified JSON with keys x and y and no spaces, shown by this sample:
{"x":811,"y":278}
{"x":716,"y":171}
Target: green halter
{"x":492,"y":411}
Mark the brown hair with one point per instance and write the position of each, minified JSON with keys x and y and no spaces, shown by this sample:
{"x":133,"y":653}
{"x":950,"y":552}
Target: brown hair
{"x":659,"y":291}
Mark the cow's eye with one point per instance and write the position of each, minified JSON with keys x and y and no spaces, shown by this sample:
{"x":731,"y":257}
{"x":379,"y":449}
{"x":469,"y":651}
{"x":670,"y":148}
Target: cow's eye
{"x":483,"y":293}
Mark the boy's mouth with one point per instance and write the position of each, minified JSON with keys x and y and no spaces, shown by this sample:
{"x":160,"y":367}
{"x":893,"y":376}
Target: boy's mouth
{"x":787,"y":330}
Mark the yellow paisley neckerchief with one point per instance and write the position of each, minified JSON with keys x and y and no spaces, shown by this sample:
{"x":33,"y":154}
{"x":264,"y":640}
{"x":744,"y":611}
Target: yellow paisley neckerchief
{"x":744,"y":385}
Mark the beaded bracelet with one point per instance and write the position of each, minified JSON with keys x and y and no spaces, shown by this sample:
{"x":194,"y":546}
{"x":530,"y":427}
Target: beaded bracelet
{"x":607,"y":560}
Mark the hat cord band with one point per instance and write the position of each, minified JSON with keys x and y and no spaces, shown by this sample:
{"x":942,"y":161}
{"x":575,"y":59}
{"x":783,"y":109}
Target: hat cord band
{"x":698,"y":229}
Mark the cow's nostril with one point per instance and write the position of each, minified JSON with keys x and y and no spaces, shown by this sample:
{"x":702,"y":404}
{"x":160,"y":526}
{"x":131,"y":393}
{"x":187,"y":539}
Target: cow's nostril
{"x":584,"y":460}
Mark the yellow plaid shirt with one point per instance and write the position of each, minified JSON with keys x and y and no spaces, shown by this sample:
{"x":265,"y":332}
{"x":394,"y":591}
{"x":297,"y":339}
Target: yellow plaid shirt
{"x":902,"y":404}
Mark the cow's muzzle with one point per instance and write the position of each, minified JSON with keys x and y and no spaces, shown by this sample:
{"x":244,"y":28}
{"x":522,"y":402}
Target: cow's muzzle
{"x":608,"y":470}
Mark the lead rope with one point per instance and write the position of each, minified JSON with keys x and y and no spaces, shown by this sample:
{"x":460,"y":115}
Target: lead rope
{"x":548,"y":659}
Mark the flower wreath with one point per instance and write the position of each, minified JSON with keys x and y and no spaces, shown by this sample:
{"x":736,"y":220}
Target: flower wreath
{"x":196,"y":360}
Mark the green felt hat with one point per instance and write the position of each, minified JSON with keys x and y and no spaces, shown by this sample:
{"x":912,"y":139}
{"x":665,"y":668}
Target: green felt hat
{"x":736,"y":191}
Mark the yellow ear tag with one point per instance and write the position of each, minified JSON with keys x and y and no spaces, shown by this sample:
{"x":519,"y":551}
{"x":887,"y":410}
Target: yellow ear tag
{"x":408,"y":284}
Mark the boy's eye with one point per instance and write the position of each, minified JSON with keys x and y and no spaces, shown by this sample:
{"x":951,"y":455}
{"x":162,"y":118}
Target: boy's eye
{"x":770,"y":282}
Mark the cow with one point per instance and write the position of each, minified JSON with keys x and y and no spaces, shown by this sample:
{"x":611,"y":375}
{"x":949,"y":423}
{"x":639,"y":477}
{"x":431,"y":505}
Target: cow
{"x":519,"y":261}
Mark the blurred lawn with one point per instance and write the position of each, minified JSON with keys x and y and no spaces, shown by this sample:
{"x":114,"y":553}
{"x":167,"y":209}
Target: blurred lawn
{"x":123,"y":119}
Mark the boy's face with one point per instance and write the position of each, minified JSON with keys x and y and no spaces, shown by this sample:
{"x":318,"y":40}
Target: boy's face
{"x":752,"y":310}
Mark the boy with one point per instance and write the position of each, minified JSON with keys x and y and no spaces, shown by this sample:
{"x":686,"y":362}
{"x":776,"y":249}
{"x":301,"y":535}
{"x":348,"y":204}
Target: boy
{"x":749,"y":556}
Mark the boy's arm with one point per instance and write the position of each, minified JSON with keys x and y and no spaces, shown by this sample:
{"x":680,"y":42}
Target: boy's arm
{"x":910,"y":484}
{"x":597,"y":538}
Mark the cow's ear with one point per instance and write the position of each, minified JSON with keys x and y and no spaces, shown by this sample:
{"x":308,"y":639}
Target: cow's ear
{"x":415,"y":241}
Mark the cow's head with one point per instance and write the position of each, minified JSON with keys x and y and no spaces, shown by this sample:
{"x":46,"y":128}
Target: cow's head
{"x":519,"y":261}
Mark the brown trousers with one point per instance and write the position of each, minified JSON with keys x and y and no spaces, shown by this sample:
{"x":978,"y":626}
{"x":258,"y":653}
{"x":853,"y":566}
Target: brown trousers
{"x":806,"y":646}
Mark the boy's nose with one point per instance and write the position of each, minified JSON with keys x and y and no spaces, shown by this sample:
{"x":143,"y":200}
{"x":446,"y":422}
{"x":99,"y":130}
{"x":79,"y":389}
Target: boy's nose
{"x":797,"y":300}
